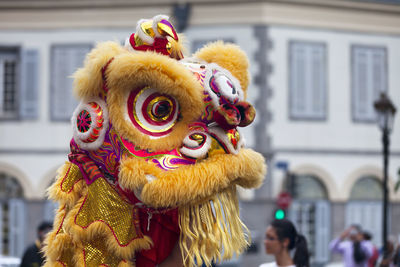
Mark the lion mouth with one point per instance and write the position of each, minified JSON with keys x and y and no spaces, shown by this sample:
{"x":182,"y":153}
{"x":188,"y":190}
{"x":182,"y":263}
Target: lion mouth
{"x":166,"y":160}
{"x":201,"y":142}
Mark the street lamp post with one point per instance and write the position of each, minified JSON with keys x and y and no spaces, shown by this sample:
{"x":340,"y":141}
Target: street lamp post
{"x":385,"y":111}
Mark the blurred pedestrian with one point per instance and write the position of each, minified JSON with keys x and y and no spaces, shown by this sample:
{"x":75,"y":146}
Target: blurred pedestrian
{"x":33,"y":256}
{"x":388,"y":255}
{"x":375,"y":252}
{"x":396,"y":259}
{"x":280,"y":238}
{"x":355,"y":251}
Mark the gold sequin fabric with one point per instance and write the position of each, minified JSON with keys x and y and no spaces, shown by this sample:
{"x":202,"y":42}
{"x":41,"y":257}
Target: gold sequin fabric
{"x":95,"y":254}
{"x":95,"y":226}
{"x":72,"y":175}
{"x":103,"y":204}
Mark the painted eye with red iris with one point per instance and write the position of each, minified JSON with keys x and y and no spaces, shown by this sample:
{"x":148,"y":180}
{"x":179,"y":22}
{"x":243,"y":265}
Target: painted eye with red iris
{"x":152,"y":113}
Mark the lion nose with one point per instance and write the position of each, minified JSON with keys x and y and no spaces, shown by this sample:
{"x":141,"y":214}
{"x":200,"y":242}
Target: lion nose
{"x":230,"y":116}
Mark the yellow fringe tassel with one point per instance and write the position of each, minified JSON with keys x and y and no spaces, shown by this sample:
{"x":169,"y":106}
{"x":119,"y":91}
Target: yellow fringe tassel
{"x":212,"y":231}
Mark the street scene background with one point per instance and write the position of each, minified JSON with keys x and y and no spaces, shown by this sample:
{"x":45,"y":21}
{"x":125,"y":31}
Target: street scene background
{"x":316,"y":66}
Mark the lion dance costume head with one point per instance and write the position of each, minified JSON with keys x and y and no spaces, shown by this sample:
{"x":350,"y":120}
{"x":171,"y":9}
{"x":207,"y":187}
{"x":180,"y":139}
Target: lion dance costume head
{"x":156,"y":155}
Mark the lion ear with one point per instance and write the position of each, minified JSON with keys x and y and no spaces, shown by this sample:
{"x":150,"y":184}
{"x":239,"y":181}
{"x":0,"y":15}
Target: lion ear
{"x":88,"y":81}
{"x":228,"y":56}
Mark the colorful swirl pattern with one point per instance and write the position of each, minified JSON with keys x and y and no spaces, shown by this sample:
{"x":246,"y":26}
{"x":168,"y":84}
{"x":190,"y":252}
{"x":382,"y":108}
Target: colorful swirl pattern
{"x":152,"y":113}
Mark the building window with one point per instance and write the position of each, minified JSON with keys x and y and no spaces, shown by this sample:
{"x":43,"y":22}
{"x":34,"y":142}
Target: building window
{"x":310,"y":211}
{"x":369,"y":78}
{"x":365,"y":206}
{"x":198,"y":44}
{"x":65,"y":60}
{"x":50,"y":207}
{"x":9,"y":74}
{"x":307,"y":81}
{"x":12,"y":216}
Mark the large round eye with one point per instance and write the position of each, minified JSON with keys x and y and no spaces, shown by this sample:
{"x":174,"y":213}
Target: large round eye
{"x":151,"y":112}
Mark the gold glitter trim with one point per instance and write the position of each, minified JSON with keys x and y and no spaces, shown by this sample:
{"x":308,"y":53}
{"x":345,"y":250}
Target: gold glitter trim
{"x":72,"y":175}
{"x":151,"y":105}
{"x":96,"y":254}
{"x":68,"y":186}
{"x":103,"y":204}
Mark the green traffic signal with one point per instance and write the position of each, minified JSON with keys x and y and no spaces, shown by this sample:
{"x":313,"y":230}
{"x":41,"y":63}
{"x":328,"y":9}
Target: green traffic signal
{"x":279,"y":214}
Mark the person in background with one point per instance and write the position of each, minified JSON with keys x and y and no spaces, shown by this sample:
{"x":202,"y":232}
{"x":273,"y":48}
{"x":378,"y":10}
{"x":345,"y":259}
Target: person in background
{"x":375,"y":252}
{"x":388,"y":256}
{"x":280,"y":238}
{"x":355,"y":251}
{"x":33,"y":257}
{"x":396,"y":260}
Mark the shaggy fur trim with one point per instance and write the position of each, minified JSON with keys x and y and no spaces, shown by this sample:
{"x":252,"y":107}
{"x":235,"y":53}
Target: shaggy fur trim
{"x":100,"y":229}
{"x":69,"y":174}
{"x":88,"y":81}
{"x":195,"y":183}
{"x":230,"y":57}
{"x":129,"y":71}
{"x":133,"y":173}
{"x":178,"y":48}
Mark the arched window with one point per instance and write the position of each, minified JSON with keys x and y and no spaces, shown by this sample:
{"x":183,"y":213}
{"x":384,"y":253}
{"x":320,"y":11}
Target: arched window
{"x":309,"y":187}
{"x":310,"y":211}
{"x":9,"y":187}
{"x":367,"y":188}
{"x":12,"y":216}
{"x":365,"y":206}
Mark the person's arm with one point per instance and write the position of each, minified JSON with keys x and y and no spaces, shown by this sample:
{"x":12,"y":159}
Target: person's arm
{"x":336,"y":245}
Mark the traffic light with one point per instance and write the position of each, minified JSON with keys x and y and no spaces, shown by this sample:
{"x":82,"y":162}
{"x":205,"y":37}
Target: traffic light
{"x":280,"y":214}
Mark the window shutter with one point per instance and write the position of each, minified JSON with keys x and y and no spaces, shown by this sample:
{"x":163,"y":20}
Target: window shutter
{"x":307,"y":81}
{"x":1,"y":87}
{"x":198,"y":44}
{"x":28,"y":105}
{"x":369,"y":215}
{"x":298,"y":80}
{"x":360,"y":73}
{"x":16,"y":226}
{"x":294,"y":212}
{"x":318,"y":80}
{"x":369,"y":79}
{"x":323,"y":232}
{"x":1,"y":228}
{"x":379,"y":73}
{"x":65,"y":61}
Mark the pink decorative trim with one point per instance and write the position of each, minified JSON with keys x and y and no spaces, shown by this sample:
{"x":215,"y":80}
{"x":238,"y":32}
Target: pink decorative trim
{"x":62,"y":222}
{"x":103,"y":74}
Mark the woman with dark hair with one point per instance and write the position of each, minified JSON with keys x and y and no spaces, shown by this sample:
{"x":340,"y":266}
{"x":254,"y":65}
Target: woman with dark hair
{"x":355,"y":251}
{"x":280,"y":238}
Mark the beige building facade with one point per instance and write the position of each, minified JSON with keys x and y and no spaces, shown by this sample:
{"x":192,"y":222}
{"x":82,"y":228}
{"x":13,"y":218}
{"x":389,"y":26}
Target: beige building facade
{"x":333,"y":149}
